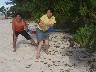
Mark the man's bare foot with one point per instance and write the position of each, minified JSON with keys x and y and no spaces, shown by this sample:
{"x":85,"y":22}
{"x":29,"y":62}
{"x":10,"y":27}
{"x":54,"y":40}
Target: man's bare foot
{"x":34,"y":44}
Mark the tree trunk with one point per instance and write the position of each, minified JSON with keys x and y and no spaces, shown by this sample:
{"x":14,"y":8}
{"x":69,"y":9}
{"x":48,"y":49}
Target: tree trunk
{"x":5,"y":15}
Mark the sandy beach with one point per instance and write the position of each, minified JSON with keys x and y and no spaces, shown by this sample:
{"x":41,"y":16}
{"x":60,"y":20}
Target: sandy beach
{"x":61,"y":58}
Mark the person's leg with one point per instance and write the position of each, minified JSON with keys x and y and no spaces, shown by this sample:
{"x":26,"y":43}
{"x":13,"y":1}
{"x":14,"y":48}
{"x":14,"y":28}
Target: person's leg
{"x":15,"y":40}
{"x":14,"y":45}
{"x":39,"y":49}
{"x":47,"y":46}
{"x":40,"y":38}
{"x":27,"y":36}
{"x":33,"y":42}
{"x":47,"y":41}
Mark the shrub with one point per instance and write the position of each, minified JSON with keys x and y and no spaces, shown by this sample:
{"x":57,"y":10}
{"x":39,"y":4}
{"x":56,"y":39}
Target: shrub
{"x":86,"y":36}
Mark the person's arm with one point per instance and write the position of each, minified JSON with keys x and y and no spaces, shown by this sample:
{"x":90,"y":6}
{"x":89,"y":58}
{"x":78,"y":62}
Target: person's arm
{"x":25,"y":25}
{"x":13,"y":29}
{"x":50,"y":25}
{"x":41,"y":24}
{"x":53,"y":21}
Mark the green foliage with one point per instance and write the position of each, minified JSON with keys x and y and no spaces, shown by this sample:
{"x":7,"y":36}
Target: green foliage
{"x":68,"y":13}
{"x":4,"y":11}
{"x":86,"y":36}
{"x":83,"y":11}
{"x":75,"y":16}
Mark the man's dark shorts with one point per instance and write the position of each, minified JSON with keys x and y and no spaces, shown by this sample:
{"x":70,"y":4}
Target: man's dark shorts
{"x":23,"y":33}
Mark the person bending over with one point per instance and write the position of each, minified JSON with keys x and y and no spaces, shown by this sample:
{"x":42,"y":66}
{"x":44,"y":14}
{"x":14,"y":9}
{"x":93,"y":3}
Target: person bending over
{"x":19,"y":27}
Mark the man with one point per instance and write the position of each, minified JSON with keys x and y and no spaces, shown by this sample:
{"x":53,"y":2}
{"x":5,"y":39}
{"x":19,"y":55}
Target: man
{"x":19,"y":27}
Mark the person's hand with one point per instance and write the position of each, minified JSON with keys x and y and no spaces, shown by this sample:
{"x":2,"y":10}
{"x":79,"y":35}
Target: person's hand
{"x":50,"y":25}
{"x":25,"y":28}
{"x":15,"y":38}
{"x":42,"y":26}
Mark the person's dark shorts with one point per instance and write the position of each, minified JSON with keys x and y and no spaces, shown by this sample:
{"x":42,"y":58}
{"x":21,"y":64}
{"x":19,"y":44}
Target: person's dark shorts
{"x":23,"y":33}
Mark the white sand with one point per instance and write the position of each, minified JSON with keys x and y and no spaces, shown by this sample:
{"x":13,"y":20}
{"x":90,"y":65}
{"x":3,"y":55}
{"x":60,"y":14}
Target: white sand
{"x":61,"y":58}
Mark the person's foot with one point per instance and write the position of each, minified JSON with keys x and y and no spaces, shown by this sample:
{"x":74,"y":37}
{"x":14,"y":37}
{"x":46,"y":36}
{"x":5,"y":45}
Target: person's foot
{"x":34,"y":44}
{"x":47,"y":47}
{"x":47,"y":52}
{"x":38,"y":56}
{"x":14,"y":50}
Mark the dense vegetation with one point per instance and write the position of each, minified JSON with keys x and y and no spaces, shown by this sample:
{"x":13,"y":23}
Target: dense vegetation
{"x":74,"y":16}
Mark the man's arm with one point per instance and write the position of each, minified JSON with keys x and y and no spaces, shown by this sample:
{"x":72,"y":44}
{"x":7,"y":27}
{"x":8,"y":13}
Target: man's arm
{"x":25,"y":25}
{"x":13,"y":28}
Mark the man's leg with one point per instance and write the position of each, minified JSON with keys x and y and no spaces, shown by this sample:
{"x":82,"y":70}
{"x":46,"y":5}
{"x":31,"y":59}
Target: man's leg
{"x":33,"y":42}
{"x":27,"y":36}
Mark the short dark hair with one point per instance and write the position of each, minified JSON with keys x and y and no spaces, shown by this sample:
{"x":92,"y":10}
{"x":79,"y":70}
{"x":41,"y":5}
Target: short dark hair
{"x":18,"y":14}
{"x":51,"y":10}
